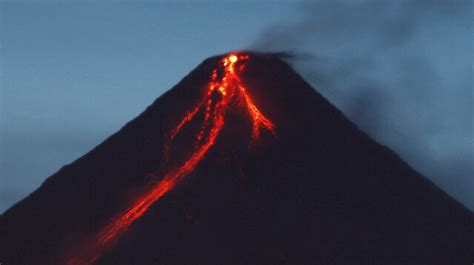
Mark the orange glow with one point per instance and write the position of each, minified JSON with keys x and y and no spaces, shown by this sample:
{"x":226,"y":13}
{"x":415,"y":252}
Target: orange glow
{"x":259,"y":120}
{"x":213,"y":106}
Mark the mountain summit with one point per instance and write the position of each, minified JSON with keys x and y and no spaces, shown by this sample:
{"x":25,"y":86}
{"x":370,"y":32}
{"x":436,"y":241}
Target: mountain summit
{"x":242,"y":162}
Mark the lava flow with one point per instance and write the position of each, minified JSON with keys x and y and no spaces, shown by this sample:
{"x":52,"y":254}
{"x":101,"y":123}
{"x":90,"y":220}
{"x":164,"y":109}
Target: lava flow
{"x":224,"y":87}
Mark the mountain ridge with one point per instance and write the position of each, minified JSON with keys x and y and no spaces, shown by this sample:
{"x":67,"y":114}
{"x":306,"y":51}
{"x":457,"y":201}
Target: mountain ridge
{"x":309,"y":129}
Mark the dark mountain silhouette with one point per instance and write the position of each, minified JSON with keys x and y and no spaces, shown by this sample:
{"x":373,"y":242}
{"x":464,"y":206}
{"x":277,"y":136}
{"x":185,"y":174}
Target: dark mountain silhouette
{"x":320,"y":192}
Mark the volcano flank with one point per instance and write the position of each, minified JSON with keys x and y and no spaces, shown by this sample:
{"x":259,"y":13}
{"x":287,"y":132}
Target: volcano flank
{"x":242,"y":162}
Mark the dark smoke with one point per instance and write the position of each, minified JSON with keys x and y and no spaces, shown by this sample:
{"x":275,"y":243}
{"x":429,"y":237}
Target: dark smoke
{"x":401,"y":70}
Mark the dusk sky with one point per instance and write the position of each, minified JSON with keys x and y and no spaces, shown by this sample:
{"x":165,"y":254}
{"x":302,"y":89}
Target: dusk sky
{"x":74,"y":72}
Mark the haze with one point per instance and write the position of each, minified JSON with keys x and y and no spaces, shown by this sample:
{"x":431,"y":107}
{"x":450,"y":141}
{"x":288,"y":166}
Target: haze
{"x":73,"y":73}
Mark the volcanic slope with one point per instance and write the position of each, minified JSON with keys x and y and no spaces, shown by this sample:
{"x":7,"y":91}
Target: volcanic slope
{"x":283,"y":178}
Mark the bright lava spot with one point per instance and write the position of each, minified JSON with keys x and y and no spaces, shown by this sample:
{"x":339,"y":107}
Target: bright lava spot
{"x":233,"y":58}
{"x":213,"y":105}
{"x":222,"y":90}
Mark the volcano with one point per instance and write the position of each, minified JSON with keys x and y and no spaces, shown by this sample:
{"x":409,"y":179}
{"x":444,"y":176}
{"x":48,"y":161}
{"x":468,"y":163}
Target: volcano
{"x":242,"y":162}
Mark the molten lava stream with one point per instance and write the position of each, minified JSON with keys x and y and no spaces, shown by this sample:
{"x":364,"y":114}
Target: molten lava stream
{"x":214,"y":105}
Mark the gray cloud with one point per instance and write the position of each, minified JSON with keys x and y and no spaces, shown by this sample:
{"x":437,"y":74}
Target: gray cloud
{"x":401,"y":70}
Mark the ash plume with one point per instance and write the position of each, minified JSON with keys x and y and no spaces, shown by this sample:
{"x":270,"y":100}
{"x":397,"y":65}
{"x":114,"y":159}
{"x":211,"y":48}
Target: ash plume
{"x":402,"y":70}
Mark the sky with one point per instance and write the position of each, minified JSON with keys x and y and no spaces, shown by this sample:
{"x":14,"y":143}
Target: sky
{"x":74,"y":72}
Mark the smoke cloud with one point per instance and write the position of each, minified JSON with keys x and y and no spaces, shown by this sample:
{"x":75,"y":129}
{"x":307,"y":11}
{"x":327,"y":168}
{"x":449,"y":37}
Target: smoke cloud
{"x":401,"y":70}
